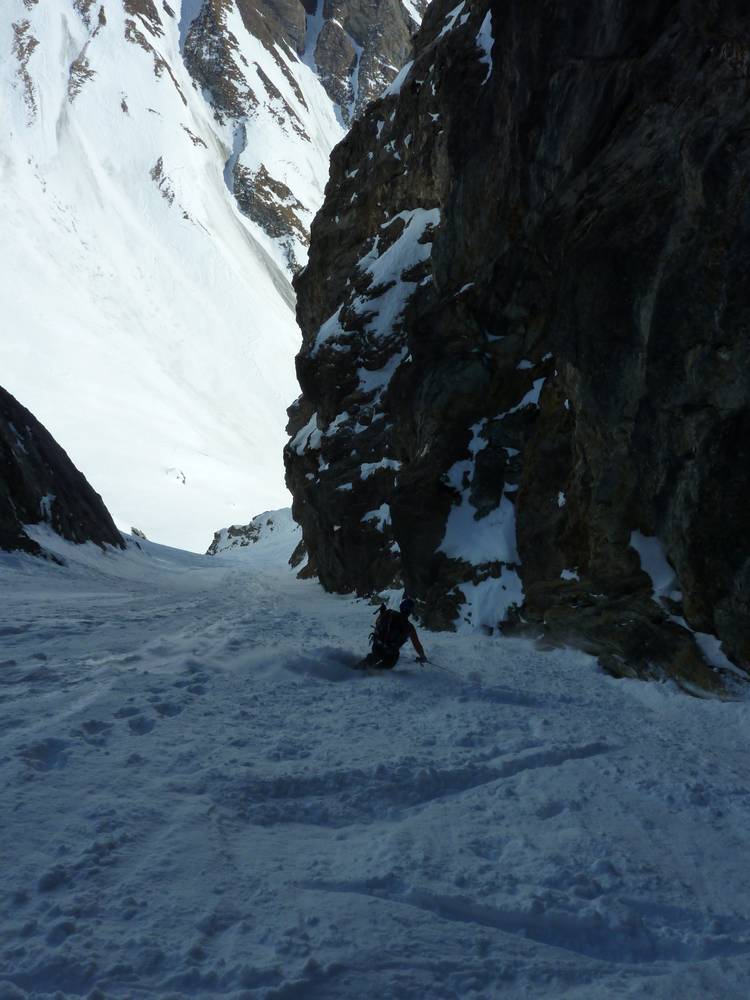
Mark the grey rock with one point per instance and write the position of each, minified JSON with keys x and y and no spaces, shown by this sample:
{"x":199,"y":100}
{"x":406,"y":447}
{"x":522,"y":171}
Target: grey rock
{"x":361,"y":46}
{"x":594,"y":233}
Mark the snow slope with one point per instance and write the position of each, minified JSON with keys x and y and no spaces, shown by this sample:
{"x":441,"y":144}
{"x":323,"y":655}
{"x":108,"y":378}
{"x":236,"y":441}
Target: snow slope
{"x":202,"y":799}
{"x":146,"y":322}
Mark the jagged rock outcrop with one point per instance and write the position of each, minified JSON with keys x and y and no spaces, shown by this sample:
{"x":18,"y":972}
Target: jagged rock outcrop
{"x":257,"y":84}
{"x":269,"y":528}
{"x":526,"y":358}
{"x":361,"y":47}
{"x":39,"y":484}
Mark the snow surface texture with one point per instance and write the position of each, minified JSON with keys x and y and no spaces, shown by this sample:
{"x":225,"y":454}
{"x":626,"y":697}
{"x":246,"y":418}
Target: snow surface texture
{"x":147,"y":323}
{"x":202,"y":799}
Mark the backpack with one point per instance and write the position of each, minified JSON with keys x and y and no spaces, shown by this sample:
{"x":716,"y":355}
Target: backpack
{"x":391,"y":629}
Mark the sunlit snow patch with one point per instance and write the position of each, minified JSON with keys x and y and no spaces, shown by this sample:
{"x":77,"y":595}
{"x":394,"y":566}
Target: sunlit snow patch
{"x":394,"y":88}
{"x":451,"y":17}
{"x":307,"y":438}
{"x":390,"y":265}
{"x":376,"y":380}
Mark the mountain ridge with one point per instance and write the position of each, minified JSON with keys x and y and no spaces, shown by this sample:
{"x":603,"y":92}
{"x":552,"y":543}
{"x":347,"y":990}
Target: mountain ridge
{"x":145,"y":272}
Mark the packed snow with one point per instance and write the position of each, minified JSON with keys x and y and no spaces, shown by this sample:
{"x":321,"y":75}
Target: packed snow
{"x":202,"y":798}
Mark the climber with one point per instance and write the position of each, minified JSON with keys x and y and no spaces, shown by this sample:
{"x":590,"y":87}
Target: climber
{"x":392,"y":629}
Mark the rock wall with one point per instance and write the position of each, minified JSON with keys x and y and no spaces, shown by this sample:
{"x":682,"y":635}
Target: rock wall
{"x":361,"y":47}
{"x":354,"y":47}
{"x":39,"y":484}
{"x":526,"y":359}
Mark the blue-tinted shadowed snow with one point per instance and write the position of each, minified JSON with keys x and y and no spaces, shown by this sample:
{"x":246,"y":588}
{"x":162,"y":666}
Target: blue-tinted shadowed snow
{"x":202,"y":798}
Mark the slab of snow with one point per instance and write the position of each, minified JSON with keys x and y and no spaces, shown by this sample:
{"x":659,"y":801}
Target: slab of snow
{"x":488,"y":539}
{"x":493,"y":538}
{"x":377,"y":380}
{"x":412,"y":10}
{"x":394,"y":88}
{"x":200,"y":798}
{"x":654,"y":562}
{"x":485,"y":41}
{"x":711,"y":648}
{"x":381,"y":517}
{"x":531,"y":398}
{"x":308,"y":438}
{"x":450,"y":19}
{"x":368,"y":468}
{"x":386,"y":268}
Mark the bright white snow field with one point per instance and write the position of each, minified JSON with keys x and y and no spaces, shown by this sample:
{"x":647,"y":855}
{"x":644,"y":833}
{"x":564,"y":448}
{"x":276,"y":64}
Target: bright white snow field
{"x":146,"y":322}
{"x":201,"y":799}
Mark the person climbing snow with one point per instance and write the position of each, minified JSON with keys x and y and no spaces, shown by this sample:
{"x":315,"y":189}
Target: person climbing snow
{"x":392,"y":629}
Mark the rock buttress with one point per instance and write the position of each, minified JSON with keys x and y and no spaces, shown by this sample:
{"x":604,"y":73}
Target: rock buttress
{"x":525,"y":368}
{"x":39,"y":484}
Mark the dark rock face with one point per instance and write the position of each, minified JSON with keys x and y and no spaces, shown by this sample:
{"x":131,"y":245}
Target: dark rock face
{"x":361,"y":47}
{"x":39,"y":483}
{"x":211,"y":56}
{"x":525,"y":324}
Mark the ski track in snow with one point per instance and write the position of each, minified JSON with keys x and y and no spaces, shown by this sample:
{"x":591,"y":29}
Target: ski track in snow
{"x":202,"y":799}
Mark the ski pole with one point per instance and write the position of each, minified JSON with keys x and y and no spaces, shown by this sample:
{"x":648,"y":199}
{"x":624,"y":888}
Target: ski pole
{"x":447,"y":671}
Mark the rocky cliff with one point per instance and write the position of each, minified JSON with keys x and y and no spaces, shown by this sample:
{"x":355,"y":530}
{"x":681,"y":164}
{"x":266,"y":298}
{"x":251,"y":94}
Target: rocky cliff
{"x":131,"y":131}
{"x":253,"y":59}
{"x":270,"y":527}
{"x":526,"y":359}
{"x":39,"y":484}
